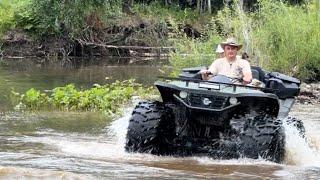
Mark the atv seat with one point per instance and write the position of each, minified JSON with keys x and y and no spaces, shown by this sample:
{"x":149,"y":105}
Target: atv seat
{"x":258,"y":73}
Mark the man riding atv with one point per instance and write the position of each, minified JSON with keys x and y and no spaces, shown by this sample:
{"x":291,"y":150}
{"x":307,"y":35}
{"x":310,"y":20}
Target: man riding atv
{"x":230,"y":65}
{"x":215,"y":118}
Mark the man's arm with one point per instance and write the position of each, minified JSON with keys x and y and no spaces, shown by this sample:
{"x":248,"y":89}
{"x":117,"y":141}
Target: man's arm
{"x":212,"y":70}
{"x":247,"y":77}
{"x":247,"y":74}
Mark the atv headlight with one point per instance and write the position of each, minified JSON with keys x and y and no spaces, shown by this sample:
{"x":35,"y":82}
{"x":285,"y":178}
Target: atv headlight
{"x":183,"y":94}
{"x":233,"y":100}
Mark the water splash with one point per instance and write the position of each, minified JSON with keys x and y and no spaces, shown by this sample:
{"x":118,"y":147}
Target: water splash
{"x":109,"y":146}
{"x":298,"y":150}
{"x":240,"y":161}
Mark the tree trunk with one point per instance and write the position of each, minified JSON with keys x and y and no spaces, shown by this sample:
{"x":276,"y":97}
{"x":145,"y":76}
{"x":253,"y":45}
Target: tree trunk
{"x":126,"y":6}
{"x":199,"y":5}
{"x":209,"y":6}
{"x":167,"y":2}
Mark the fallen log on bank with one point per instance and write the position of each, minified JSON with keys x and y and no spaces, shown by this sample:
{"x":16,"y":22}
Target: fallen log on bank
{"x":129,"y":47}
{"x":131,"y":51}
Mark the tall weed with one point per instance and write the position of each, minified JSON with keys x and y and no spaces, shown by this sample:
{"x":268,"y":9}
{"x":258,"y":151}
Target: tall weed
{"x":193,"y":52}
{"x":289,"y":39}
{"x":277,"y":37}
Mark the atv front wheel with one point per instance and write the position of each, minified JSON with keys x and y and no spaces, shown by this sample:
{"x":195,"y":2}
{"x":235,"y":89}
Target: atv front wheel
{"x":151,"y":129}
{"x":263,"y":137}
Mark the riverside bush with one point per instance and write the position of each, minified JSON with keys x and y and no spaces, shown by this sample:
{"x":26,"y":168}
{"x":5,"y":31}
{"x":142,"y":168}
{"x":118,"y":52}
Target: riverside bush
{"x":107,"y":98}
{"x":53,"y":17}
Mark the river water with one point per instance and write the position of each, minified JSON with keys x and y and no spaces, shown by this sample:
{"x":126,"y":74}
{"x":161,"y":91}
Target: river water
{"x":87,"y":145}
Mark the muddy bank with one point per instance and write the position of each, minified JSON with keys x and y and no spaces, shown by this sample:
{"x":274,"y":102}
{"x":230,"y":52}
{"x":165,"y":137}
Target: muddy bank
{"x":309,"y":93}
{"x":18,"y":44}
{"x":136,"y":38}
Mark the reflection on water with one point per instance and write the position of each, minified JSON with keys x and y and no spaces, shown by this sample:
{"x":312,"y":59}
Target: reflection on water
{"x":69,"y":145}
{"x":21,"y":75}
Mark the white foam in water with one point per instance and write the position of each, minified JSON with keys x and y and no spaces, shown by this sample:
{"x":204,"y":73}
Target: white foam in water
{"x":119,"y":127}
{"x":298,"y":151}
{"x":113,"y":148}
{"x":108,"y":145}
{"x":240,"y":161}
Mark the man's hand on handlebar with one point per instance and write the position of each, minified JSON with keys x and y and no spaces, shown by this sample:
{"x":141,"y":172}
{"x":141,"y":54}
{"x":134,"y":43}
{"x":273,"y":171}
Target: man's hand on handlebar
{"x":205,"y":74}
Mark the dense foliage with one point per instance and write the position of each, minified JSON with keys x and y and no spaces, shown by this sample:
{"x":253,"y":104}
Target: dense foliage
{"x":8,"y":10}
{"x":278,"y":37}
{"x":54,"y":16}
{"x":108,"y":98}
{"x":275,"y":34}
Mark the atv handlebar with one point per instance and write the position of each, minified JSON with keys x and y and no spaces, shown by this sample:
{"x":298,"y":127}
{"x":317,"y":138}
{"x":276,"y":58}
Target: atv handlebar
{"x":187,"y":80}
{"x":232,"y":80}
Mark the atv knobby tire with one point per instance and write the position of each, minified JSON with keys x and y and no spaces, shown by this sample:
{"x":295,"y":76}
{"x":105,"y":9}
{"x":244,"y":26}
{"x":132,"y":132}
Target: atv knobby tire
{"x":263,"y":137}
{"x":151,"y":129}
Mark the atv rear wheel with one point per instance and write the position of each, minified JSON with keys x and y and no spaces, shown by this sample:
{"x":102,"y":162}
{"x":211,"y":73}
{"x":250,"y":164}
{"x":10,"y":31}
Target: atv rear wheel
{"x":263,"y":137}
{"x":151,"y":129}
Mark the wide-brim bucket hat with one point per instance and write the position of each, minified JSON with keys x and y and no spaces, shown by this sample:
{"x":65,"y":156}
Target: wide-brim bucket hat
{"x":231,"y":42}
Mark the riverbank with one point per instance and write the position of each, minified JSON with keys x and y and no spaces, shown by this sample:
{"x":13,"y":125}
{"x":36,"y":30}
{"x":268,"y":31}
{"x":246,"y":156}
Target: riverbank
{"x":19,"y":44}
{"x":309,"y":93}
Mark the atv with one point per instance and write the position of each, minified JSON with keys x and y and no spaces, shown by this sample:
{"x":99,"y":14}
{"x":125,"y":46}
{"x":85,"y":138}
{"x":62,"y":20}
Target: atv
{"x":218,"y":119}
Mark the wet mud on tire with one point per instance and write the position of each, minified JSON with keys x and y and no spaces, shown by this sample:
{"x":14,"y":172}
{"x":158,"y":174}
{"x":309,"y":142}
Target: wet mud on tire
{"x":264,"y":137}
{"x":151,"y":128}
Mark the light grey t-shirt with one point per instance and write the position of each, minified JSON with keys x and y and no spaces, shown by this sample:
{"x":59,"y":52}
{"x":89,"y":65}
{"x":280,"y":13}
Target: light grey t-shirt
{"x":234,"y":69}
